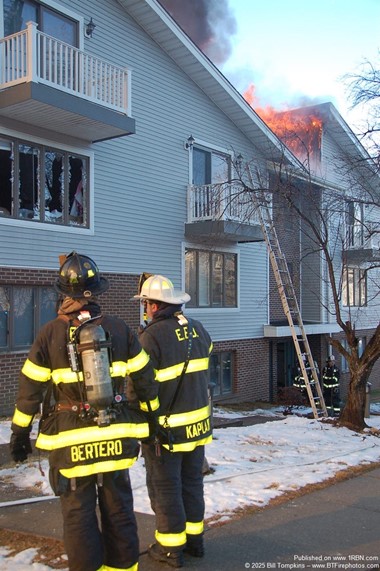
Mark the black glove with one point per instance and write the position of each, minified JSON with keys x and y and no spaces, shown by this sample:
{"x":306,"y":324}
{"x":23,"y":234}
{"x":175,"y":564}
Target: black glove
{"x":20,"y":445}
{"x":154,"y":427}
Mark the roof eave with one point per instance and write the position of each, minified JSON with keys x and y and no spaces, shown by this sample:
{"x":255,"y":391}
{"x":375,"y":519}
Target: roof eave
{"x":161,"y":27}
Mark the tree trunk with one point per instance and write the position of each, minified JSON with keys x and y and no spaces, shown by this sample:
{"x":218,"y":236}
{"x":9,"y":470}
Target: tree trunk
{"x":352,"y":415}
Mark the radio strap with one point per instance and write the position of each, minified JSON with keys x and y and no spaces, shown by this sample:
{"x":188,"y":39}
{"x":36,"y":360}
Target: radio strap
{"x":179,"y":384}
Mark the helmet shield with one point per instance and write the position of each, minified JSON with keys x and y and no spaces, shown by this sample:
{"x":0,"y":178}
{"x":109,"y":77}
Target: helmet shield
{"x":79,"y":277}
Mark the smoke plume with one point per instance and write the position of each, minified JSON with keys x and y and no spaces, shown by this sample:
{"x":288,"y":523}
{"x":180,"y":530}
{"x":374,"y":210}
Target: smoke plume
{"x":209,"y":23}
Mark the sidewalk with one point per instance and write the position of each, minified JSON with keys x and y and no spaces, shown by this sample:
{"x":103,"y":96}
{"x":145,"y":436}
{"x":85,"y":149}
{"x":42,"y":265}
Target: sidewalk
{"x":333,"y":528}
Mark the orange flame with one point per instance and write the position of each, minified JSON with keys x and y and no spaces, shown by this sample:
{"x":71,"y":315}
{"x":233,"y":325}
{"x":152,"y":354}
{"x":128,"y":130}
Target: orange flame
{"x":300,"y":130}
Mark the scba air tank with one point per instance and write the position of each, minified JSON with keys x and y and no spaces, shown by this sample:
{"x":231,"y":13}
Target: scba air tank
{"x":96,"y":370}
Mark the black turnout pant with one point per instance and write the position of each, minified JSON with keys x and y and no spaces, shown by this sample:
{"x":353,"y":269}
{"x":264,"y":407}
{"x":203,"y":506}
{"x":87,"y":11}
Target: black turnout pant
{"x":112,"y":541}
{"x":175,"y":486}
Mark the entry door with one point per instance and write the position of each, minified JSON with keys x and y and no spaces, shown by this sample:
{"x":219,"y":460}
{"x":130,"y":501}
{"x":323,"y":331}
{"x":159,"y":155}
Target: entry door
{"x":286,"y":363}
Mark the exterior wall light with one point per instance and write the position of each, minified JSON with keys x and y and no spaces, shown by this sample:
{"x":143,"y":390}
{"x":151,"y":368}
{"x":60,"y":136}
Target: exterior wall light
{"x":89,"y":28}
{"x":189,"y":143}
{"x":239,"y":160}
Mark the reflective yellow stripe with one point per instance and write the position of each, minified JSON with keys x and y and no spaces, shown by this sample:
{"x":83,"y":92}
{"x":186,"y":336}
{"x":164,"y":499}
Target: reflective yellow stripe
{"x":92,"y":434}
{"x":171,"y":539}
{"x":189,"y":446}
{"x":138,"y":362}
{"x":171,"y":373}
{"x":108,"y":568}
{"x":193,"y":528}
{"x":119,"y":368}
{"x":187,"y":417}
{"x":97,"y":468}
{"x":154,"y":405}
{"x":36,"y":373}
{"x":22,"y":419}
{"x":210,"y":348}
{"x":66,"y":376}
{"x":122,"y":368}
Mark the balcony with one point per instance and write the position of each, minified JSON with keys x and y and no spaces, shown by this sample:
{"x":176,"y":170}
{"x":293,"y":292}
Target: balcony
{"x":363,"y":243}
{"x":51,"y":85}
{"x":221,"y":213}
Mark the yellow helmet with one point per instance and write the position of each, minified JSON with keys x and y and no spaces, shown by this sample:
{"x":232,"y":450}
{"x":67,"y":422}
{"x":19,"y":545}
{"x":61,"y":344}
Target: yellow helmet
{"x":160,"y":288}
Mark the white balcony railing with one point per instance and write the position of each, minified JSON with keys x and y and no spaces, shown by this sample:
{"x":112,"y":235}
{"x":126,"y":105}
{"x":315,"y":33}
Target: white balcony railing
{"x":220,"y":202}
{"x":31,"y":55}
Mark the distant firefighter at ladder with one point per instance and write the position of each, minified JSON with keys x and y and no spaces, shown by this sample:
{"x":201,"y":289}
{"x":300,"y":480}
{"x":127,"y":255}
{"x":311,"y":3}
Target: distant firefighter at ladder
{"x":77,"y":367}
{"x":299,"y":381}
{"x":331,"y":389}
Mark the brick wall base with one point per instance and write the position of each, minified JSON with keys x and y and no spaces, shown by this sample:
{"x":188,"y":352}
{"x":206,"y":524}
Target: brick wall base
{"x":255,"y":359}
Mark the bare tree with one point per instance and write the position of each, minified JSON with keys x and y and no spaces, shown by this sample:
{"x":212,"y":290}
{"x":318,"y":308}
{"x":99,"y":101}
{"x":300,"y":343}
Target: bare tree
{"x":322,"y":215}
{"x":364,"y":91}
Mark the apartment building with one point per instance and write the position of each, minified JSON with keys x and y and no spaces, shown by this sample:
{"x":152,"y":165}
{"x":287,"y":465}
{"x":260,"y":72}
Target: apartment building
{"x":120,"y":141}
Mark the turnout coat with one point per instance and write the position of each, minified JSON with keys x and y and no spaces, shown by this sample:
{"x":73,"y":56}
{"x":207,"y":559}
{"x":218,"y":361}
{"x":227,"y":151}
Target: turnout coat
{"x":166,"y":340}
{"x":77,"y":445}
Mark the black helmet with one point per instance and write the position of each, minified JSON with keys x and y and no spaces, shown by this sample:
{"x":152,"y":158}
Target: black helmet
{"x":79,"y":277}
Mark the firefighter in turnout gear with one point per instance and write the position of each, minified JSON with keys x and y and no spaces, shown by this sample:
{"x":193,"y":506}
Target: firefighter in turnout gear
{"x":299,"y":381}
{"x":330,"y":380}
{"x":180,"y":351}
{"x":77,"y":367}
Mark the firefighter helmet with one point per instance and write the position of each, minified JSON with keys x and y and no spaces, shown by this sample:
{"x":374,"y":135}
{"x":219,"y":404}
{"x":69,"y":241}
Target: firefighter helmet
{"x":160,"y":288}
{"x":79,"y":277}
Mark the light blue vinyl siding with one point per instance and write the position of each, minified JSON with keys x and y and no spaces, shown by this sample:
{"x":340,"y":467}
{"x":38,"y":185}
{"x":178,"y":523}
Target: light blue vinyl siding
{"x":140,"y":181}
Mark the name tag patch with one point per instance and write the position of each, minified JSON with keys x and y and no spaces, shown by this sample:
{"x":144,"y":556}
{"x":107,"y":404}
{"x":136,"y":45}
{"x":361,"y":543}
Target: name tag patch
{"x":94,"y":450}
{"x":198,"y":428}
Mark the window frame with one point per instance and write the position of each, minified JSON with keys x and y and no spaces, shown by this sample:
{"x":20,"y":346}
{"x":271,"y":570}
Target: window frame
{"x":37,"y":318}
{"x":222,"y":394}
{"x":355,"y":224}
{"x":211,"y":154}
{"x":207,"y":147}
{"x":14,"y":137}
{"x":55,"y":7}
{"x":211,"y":253}
{"x":362,"y":342}
{"x":353,"y":290}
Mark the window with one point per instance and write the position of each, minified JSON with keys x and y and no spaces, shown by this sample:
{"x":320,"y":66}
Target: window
{"x":210,"y":176}
{"x":355,"y":224}
{"x":210,"y":167}
{"x":25,"y":311}
{"x":18,"y":12}
{"x":211,"y":278}
{"x":361,"y":346}
{"x":44,"y":184}
{"x":354,"y":287}
{"x":221,"y":373}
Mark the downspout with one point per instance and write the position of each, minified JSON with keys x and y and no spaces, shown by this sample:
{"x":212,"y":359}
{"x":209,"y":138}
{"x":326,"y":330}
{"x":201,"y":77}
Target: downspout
{"x":270,"y":366}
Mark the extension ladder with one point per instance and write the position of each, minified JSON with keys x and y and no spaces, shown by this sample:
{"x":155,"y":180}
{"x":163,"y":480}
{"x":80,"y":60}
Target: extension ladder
{"x":289,"y":304}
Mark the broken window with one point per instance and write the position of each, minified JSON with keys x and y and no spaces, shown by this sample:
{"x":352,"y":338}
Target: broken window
{"x":43,"y":184}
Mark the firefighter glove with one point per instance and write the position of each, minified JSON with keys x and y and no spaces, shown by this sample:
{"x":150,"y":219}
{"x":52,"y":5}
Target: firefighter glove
{"x":154,"y":426}
{"x":20,"y":445}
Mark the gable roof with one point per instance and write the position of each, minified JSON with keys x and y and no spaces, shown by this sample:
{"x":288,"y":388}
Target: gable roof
{"x":161,"y":27}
